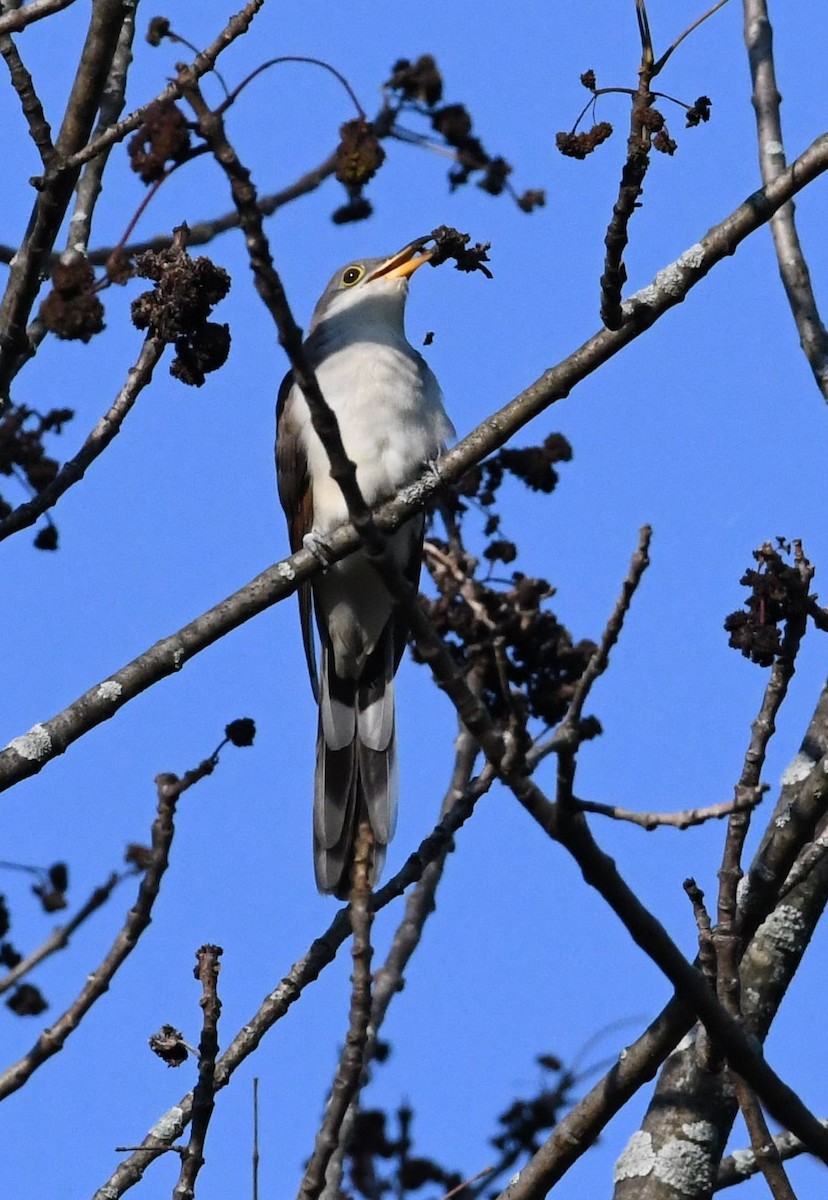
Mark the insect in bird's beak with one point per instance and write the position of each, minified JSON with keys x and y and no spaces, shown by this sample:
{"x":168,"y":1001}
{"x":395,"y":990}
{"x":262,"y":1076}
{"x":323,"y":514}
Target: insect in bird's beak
{"x":406,"y":261}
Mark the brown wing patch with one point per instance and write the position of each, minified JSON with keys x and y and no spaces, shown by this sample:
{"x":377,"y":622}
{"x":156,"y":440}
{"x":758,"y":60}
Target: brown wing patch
{"x":296,"y":495}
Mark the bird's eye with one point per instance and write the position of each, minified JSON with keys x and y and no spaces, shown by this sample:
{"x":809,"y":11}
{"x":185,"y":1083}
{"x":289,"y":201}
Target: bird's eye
{"x":352,"y":275}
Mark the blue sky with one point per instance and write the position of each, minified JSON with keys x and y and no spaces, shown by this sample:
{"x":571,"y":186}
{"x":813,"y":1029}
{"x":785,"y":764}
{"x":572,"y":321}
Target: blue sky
{"x":709,"y":428}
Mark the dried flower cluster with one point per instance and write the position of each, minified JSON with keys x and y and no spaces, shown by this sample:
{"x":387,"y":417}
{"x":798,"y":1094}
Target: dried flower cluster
{"x":72,"y":310}
{"x":359,"y":156}
{"x":163,"y":139}
{"x":451,"y":244}
{"x":419,"y":88}
{"x":176,"y":310}
{"x":778,"y":592}
{"x":649,"y":119}
{"x":23,"y":456}
{"x":527,"y":662}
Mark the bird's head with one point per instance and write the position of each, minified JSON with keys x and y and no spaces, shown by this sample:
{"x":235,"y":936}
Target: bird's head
{"x":372,"y":290}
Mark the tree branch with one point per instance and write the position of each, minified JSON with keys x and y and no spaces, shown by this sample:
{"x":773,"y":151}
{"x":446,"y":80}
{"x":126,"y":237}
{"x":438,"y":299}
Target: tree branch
{"x":789,"y":253}
{"x":104,"y":432}
{"x":192,"y":1158}
{"x":138,"y":918}
{"x":27,"y":755}
{"x":308,"y":968}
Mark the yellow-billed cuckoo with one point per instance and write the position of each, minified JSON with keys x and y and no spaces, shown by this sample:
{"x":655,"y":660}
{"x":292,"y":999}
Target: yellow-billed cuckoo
{"x":392,"y":421}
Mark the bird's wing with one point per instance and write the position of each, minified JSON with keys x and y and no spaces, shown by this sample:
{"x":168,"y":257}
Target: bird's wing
{"x":296,"y":495}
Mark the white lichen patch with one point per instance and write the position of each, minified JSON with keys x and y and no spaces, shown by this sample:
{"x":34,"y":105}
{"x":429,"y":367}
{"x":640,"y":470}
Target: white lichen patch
{"x":798,"y":770}
{"x":684,"y":1165}
{"x":699,"y":1131}
{"x":784,"y":927}
{"x":110,"y":689}
{"x":170,"y":1125}
{"x":637,"y":1159}
{"x":784,"y":817}
{"x":178,"y":658}
{"x":34,"y":745}
{"x":285,"y":571}
{"x":744,"y":1162}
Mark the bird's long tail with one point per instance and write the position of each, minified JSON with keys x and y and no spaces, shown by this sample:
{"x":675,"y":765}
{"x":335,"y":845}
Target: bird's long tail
{"x":356,"y":769}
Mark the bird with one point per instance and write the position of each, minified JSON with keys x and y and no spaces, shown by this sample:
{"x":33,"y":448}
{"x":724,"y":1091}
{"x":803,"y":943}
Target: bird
{"x":389,"y":407}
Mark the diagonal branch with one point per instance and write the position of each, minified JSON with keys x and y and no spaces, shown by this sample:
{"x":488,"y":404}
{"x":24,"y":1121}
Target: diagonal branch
{"x":30,"y":263}
{"x":138,"y":918}
{"x":789,"y":254}
{"x":104,"y":432}
{"x":28,"y":754}
{"x":60,"y":937}
{"x":22,"y":82}
{"x":349,"y":1072}
{"x":36,"y":10}
{"x":308,"y":968}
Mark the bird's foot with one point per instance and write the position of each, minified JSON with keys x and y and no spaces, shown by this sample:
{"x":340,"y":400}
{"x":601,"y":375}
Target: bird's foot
{"x":431,"y":467}
{"x":314,"y":544}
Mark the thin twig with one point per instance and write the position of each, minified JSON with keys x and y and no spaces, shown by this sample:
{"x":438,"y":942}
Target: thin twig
{"x":201,"y":65}
{"x":204,"y":1093}
{"x":59,"y":938}
{"x":729,"y":946}
{"x":742,"y":1164}
{"x":39,"y":129}
{"x":28,"y":754}
{"x":789,"y":253}
{"x":348,"y":1077}
{"x":308,"y":968}
{"x":52,"y":1040}
{"x":30,"y":263}
{"x":764,"y":1151}
{"x":683,"y":819}
{"x":292,"y":58}
{"x":708,"y":1056}
{"x":255,"y":1191}
{"x":272,"y":292}
{"x":600,"y":659}
{"x":639,"y":141}
{"x":104,"y":432}
{"x":690,"y":28}
{"x":600,"y":872}
{"x":35,"y":10}
{"x":112,"y":103}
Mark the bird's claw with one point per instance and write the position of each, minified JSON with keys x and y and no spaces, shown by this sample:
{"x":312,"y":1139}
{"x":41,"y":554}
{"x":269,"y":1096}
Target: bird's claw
{"x":313,"y":543}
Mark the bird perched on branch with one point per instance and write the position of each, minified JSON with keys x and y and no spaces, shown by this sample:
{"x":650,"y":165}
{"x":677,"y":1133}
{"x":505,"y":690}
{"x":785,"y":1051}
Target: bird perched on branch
{"x":391,"y":418}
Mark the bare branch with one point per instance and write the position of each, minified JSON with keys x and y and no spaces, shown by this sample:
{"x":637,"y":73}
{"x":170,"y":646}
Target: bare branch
{"x":36,"y":10}
{"x":600,"y":659}
{"x":138,"y":918}
{"x":683,"y":819}
{"x":349,"y":1072}
{"x":60,"y":937}
{"x":190,"y":74}
{"x":27,"y":755}
{"x":765,"y":1152}
{"x":112,"y":102}
{"x":321,"y":953}
{"x":104,"y":432}
{"x":30,"y":264}
{"x":192,"y":1158}
{"x":690,"y":28}
{"x":742,"y":1164}
{"x":790,"y":256}
{"x":41,"y":133}
{"x":600,"y":872}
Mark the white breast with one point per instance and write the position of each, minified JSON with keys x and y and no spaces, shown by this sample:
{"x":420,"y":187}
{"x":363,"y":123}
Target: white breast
{"x":391,"y":417}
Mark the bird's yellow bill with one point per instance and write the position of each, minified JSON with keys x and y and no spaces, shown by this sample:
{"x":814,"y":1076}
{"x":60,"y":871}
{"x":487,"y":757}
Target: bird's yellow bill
{"x":406,"y":261}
